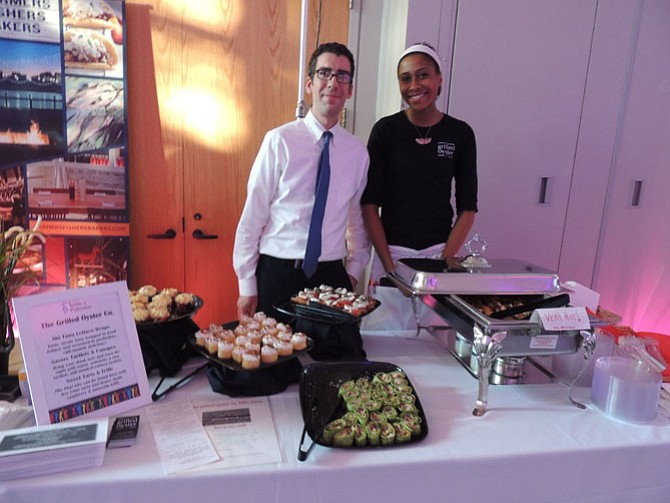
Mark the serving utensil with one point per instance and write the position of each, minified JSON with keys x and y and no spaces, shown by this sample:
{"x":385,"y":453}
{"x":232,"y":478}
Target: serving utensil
{"x":303,"y":454}
{"x":588,"y":345}
{"x":485,"y":347}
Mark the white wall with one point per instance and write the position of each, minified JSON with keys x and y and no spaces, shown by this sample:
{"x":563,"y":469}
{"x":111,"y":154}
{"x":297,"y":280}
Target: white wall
{"x":603,"y":67}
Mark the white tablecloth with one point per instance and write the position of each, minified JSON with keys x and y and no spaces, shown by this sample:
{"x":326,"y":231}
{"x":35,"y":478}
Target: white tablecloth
{"x":531,"y":445}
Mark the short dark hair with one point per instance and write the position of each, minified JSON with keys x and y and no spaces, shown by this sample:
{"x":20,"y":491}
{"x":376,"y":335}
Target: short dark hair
{"x":334,"y":48}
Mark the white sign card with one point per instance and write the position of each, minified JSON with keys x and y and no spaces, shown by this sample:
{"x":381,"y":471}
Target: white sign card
{"x":81,"y":352}
{"x":562,"y":318}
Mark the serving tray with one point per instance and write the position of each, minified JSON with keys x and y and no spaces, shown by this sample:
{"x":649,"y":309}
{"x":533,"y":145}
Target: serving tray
{"x":322,"y":313}
{"x":197,"y":304}
{"x":233,"y":365}
{"x":163,"y":343}
{"x":320,"y":402}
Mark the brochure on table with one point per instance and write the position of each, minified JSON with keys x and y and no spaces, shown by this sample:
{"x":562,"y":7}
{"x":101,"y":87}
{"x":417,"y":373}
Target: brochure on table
{"x":81,"y":352}
{"x":39,"y":450}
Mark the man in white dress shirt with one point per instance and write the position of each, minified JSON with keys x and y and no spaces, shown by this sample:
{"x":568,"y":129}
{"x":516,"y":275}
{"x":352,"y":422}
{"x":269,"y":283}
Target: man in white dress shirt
{"x":272,"y":232}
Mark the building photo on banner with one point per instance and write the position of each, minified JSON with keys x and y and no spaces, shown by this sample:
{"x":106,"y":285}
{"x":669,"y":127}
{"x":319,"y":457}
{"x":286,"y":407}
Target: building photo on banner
{"x":63,"y":139}
{"x":64,"y":226}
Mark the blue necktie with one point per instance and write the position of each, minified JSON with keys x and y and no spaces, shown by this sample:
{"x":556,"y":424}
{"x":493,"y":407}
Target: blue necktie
{"x":313,"y":250}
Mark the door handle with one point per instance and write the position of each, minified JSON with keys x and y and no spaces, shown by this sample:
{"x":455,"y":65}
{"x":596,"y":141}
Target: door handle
{"x":168,"y":234}
{"x":198,"y":234}
{"x":545,"y":188}
{"x":636,"y":199}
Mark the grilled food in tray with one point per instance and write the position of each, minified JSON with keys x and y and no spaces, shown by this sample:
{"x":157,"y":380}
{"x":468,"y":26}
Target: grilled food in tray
{"x":518,"y":307}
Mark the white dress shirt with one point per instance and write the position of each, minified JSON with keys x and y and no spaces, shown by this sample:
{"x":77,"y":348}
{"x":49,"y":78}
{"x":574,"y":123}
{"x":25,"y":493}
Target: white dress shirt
{"x":280,"y":196}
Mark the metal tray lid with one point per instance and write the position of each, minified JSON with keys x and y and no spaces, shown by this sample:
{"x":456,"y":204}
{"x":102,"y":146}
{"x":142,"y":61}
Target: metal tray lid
{"x":502,"y":276}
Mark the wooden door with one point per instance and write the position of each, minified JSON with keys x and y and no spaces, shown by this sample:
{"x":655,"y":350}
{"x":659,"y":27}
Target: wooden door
{"x":155,"y":173}
{"x":225,"y":72}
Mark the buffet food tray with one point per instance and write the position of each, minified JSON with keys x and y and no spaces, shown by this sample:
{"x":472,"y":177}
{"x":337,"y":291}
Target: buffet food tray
{"x":163,"y":343}
{"x":523,"y":337}
{"x":322,"y":313}
{"x":175,"y":316}
{"x":321,"y":403}
{"x":498,"y":321}
{"x":237,"y":367}
{"x":504,"y":276}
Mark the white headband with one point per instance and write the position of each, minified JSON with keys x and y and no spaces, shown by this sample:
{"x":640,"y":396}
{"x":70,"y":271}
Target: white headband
{"x":425,"y":50}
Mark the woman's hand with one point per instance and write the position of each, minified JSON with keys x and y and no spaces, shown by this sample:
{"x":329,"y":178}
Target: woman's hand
{"x":453,"y":263}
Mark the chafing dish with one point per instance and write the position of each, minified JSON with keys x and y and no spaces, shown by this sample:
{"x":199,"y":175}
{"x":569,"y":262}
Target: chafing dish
{"x":502,"y":276}
{"x":451,"y":291}
{"x":522,"y":336}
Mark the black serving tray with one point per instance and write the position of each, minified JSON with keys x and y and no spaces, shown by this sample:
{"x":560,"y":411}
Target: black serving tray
{"x":321,"y":313}
{"x":163,"y":343}
{"x":233,"y":365}
{"x":197,"y":304}
{"x":320,"y":402}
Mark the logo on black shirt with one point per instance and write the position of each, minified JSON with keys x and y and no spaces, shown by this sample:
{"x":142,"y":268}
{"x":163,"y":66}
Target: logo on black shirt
{"x":445,"y":149}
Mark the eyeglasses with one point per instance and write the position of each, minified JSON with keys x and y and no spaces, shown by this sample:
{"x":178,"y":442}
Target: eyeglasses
{"x":327,"y":74}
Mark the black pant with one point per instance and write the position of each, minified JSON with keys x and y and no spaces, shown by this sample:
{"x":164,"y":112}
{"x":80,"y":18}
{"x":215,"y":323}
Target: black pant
{"x":280,"y":279}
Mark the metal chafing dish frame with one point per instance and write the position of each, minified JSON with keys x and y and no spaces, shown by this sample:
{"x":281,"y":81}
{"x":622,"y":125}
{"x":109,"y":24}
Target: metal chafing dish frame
{"x":486,"y":334}
{"x":501,"y":276}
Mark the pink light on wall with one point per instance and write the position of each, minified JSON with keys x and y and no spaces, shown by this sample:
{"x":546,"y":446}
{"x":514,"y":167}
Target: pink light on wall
{"x":637,"y":289}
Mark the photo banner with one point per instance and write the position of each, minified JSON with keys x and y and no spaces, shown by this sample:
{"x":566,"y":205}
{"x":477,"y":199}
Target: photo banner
{"x":63,"y":137}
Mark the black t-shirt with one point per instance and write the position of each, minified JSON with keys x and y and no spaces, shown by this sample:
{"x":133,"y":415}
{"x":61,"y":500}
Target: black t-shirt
{"x":412,"y":182}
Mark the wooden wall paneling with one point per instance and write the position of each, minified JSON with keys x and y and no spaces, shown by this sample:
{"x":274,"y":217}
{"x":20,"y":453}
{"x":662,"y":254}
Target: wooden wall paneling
{"x":249,"y":81}
{"x":225,"y":73}
{"x":155,"y":180}
{"x":243,"y":84}
{"x":334,"y":22}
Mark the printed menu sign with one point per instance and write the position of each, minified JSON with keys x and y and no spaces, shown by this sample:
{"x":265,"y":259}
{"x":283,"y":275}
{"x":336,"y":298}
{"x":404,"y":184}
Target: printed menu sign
{"x":81,"y":352}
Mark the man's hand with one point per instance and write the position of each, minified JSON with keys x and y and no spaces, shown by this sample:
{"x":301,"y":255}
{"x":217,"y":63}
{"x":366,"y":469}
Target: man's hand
{"x":246,"y":305}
